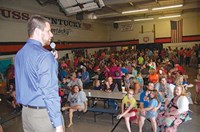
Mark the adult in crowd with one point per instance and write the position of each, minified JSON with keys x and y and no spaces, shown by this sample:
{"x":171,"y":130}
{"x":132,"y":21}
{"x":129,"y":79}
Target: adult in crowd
{"x":116,"y":75}
{"x":153,"y":76}
{"x":136,"y":86}
{"x":149,"y":111}
{"x":127,"y":82}
{"x":36,"y":79}
{"x":75,"y":81}
{"x":144,"y":101}
{"x":110,"y":86}
{"x":128,"y":109}
{"x":85,"y":77}
{"x":77,"y":102}
{"x":176,"y":113}
{"x":166,"y":90}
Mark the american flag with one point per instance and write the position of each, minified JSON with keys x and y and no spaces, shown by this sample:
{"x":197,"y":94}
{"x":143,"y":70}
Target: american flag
{"x":176,"y":31}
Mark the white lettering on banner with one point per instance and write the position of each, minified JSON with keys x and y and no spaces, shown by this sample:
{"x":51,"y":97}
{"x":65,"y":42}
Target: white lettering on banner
{"x":14,"y":15}
{"x":147,"y":37}
{"x":127,"y":27}
{"x":58,"y":31}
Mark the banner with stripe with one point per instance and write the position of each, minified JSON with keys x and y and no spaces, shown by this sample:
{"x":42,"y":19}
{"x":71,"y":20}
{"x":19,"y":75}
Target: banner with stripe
{"x":176,"y":31}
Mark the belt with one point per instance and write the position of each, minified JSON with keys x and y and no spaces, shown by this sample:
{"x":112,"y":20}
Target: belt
{"x":34,"y":107}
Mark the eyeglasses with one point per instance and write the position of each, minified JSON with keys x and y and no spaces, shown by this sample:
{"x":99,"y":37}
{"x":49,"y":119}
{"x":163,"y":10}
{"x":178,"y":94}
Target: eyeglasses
{"x":131,"y":93}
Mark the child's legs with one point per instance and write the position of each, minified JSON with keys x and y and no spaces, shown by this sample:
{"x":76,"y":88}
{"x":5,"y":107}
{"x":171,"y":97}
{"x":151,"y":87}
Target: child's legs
{"x":154,"y":124}
{"x":141,"y":123}
{"x":127,"y":122}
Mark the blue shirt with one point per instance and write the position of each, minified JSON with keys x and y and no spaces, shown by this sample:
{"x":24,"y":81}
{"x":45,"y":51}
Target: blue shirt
{"x":36,"y":79}
{"x":124,"y":70}
{"x":146,"y":102}
{"x":152,"y":103}
{"x":84,"y":76}
{"x":142,"y":100}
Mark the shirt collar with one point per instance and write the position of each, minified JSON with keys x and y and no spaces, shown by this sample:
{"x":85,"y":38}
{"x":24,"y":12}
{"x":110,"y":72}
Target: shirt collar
{"x":33,"y":41}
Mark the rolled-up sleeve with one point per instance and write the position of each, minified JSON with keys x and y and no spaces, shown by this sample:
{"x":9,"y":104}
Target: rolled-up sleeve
{"x":48,"y":84}
{"x":182,"y":104}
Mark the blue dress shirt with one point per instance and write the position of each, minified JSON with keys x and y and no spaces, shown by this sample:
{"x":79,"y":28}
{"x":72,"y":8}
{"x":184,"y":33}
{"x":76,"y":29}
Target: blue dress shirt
{"x":36,"y":79}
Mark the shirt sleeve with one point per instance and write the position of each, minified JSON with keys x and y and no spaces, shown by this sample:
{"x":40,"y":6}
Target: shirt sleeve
{"x":134,"y":103}
{"x":48,"y":84}
{"x":83,"y":96}
{"x":142,"y":95}
{"x":157,"y":87}
{"x":80,"y":83}
{"x":170,"y":93}
{"x":151,"y":103}
{"x":183,"y":104}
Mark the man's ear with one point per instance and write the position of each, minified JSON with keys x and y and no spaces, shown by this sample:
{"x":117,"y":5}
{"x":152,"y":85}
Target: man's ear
{"x":37,"y":31}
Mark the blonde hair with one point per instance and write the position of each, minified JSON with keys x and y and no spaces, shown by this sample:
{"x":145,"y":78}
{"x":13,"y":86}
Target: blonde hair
{"x":95,"y":82}
{"x":177,"y":81}
{"x":183,"y":91}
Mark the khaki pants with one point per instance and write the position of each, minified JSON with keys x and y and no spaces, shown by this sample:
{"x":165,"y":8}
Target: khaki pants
{"x":36,"y":120}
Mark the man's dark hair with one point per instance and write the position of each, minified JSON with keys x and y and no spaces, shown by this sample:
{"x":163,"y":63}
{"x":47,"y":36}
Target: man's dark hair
{"x":36,"y":21}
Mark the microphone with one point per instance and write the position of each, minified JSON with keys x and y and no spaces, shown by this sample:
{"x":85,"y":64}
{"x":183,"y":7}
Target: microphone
{"x":53,"y":51}
{"x":53,"y":46}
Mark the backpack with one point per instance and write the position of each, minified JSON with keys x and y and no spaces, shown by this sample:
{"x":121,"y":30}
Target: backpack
{"x":116,"y":73}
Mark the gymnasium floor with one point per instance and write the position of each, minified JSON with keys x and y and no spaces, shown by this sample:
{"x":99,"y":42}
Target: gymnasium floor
{"x":86,"y":122}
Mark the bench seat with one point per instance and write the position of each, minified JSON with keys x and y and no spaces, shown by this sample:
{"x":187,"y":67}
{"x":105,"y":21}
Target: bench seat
{"x":99,"y":111}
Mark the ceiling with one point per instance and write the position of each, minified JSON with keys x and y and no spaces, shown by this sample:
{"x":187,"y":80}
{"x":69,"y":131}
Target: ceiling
{"x":112,"y":11}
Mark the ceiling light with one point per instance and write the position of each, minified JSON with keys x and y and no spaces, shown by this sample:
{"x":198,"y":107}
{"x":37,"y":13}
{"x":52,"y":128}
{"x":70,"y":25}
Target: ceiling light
{"x":122,"y":21}
{"x":144,"y":19}
{"x":169,"y":16}
{"x":133,"y":11}
{"x":167,"y":7}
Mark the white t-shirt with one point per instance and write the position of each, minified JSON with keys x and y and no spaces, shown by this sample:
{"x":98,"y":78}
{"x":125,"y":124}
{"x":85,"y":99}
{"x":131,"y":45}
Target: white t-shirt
{"x":170,"y":94}
{"x":182,"y":104}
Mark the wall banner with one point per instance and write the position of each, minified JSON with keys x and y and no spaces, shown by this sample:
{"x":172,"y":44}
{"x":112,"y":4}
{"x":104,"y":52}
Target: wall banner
{"x":59,"y":26}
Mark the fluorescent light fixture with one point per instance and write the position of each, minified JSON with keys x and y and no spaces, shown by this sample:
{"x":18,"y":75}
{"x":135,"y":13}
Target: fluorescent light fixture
{"x":67,"y":3}
{"x":106,"y":15}
{"x":122,"y":21}
{"x":133,"y":11}
{"x":90,"y":6}
{"x":169,"y":16}
{"x":167,"y":7}
{"x":143,"y":19}
{"x":73,"y":10}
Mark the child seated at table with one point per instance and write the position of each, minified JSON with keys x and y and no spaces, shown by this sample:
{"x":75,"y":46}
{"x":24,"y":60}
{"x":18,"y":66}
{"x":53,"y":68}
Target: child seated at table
{"x":127,"y":82}
{"x":96,"y":85}
{"x":78,"y":102}
{"x":110,"y":86}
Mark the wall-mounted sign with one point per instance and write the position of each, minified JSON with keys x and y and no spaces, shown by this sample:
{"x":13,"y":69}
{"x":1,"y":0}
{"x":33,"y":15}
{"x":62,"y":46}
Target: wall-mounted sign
{"x":58,"y":25}
{"x":58,"y":31}
{"x":126,"y":27}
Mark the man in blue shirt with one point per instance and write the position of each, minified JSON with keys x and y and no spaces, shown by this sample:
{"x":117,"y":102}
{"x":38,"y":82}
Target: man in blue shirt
{"x":36,"y":79}
{"x":145,"y":101}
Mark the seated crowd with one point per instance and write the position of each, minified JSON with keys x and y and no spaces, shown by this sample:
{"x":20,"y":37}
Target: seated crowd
{"x":158,"y":76}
